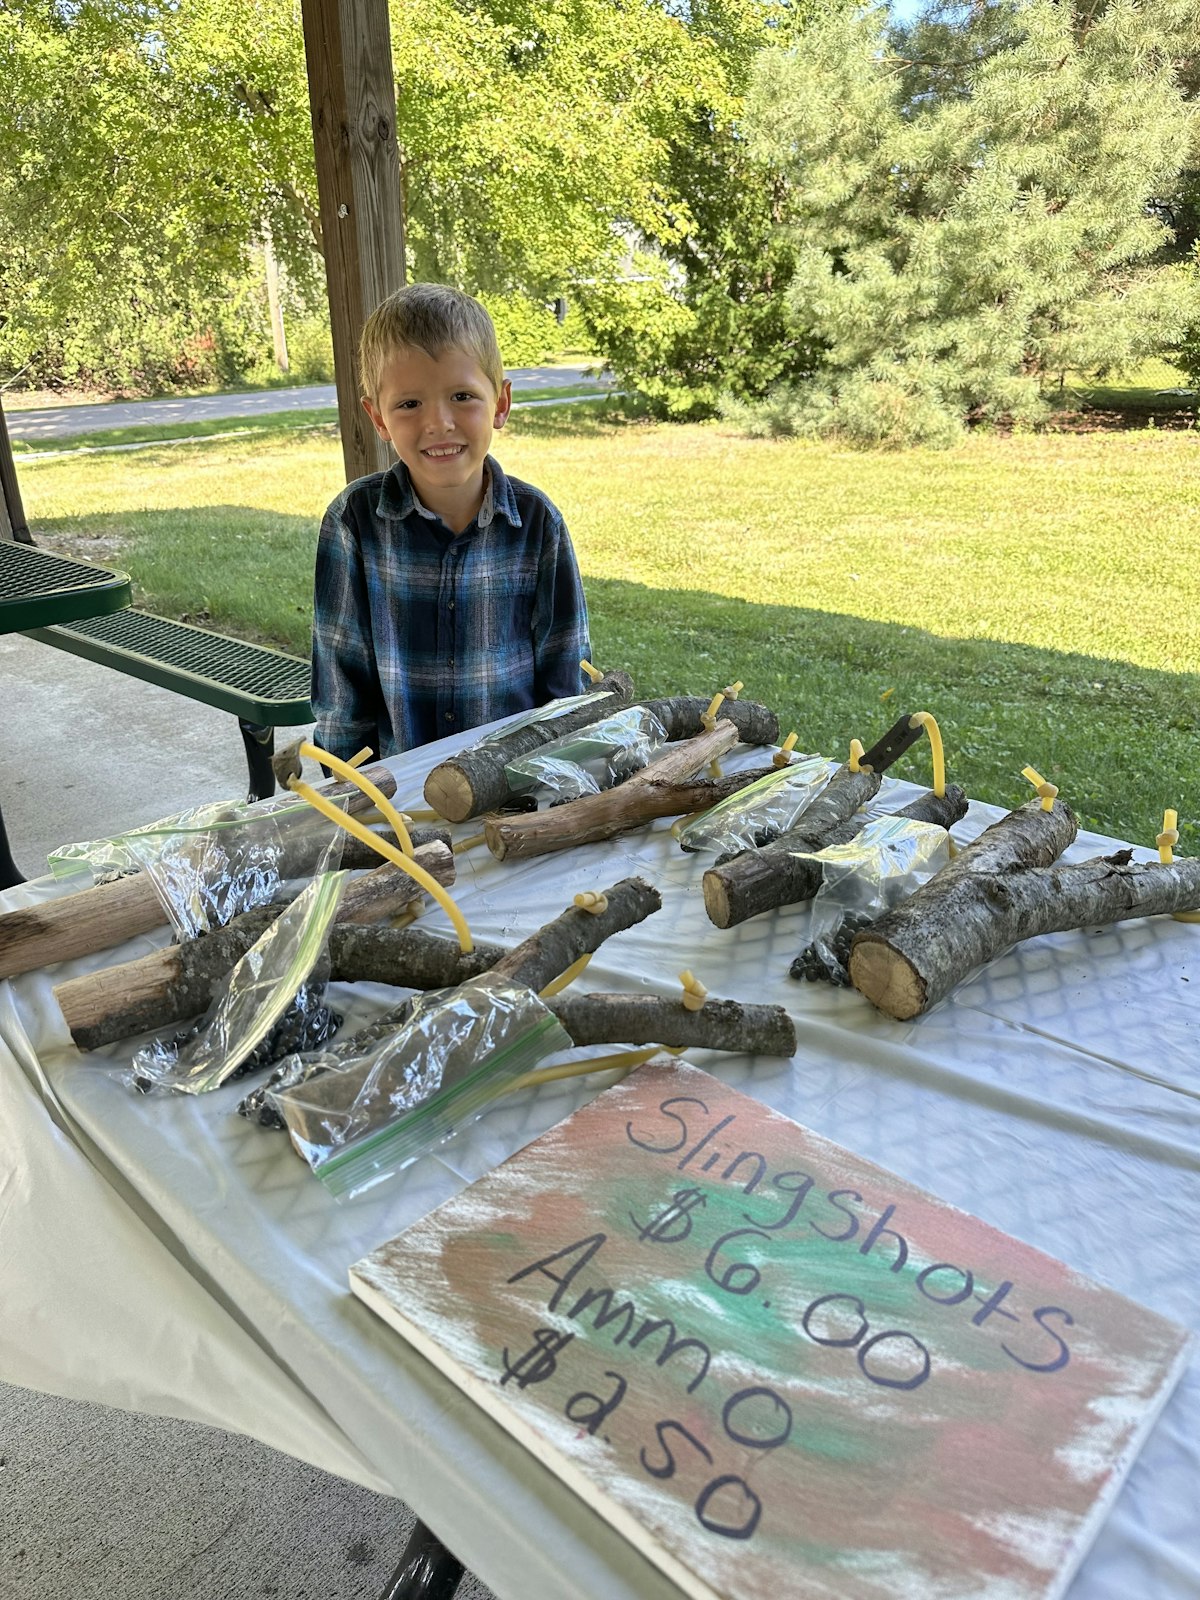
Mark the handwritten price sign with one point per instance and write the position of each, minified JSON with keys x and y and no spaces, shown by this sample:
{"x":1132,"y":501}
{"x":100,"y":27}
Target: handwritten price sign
{"x":786,"y":1363}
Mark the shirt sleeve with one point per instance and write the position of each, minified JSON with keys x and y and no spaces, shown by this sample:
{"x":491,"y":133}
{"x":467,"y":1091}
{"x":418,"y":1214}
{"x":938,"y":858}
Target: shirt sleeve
{"x":345,"y":683}
{"x":560,"y":619}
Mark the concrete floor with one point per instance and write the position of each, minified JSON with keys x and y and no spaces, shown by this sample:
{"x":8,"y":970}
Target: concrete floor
{"x":102,"y":1505}
{"x":86,"y":752}
{"x":94,"y":1503}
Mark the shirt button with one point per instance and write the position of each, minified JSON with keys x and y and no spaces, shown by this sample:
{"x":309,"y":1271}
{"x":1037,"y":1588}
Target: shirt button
{"x":449,"y":716}
{"x":451,"y":605}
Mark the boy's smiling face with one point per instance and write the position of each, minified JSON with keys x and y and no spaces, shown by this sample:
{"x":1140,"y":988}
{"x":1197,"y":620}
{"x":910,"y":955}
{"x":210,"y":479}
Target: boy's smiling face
{"x":439,"y":414}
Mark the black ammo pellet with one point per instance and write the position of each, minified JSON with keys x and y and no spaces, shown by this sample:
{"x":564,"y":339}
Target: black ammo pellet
{"x":307,"y":1023}
{"x":812,"y":964}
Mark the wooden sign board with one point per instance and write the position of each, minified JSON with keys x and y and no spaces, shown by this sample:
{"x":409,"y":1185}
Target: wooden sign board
{"x":779,"y":1369}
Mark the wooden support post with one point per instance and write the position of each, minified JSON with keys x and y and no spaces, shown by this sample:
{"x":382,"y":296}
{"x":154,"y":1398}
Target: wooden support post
{"x":352,"y":94}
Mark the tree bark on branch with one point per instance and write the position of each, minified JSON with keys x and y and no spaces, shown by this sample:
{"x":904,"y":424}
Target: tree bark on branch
{"x":474,"y":781}
{"x":665,"y":788}
{"x":476,"y":778}
{"x":179,"y":981}
{"x":97,"y":919}
{"x":755,"y":881}
{"x":656,"y":1019}
{"x":973,"y":908}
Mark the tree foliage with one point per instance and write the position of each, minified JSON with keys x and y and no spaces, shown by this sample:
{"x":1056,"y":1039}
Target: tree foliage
{"x":145,"y":145}
{"x":702,"y":314}
{"x":116,"y":225}
{"x":972,"y":207}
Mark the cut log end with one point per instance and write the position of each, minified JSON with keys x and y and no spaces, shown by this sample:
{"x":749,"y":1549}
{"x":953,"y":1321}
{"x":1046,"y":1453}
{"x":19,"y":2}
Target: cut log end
{"x":448,"y":792}
{"x":493,"y":837}
{"x":888,"y":980}
{"x":716,"y":899}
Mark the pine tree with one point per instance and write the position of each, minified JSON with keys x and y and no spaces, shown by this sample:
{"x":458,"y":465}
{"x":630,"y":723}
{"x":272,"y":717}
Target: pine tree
{"x":972,"y":207}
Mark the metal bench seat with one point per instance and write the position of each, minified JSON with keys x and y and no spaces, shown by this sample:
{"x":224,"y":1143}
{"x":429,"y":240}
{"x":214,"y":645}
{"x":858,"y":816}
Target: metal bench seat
{"x":263,"y":688}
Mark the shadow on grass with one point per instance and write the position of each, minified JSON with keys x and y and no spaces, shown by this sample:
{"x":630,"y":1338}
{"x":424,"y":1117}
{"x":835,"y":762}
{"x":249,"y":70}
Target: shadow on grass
{"x":593,"y":420}
{"x":1121,"y":742}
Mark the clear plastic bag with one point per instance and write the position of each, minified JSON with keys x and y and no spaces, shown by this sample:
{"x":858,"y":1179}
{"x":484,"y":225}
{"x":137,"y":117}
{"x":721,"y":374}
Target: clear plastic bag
{"x":208,"y":866}
{"x":761,"y":812}
{"x":357,"y":1122}
{"x":261,"y":991}
{"x":124,"y":852}
{"x":552,"y":708}
{"x":309,"y":1062}
{"x":597,"y":757}
{"x":888,"y":861}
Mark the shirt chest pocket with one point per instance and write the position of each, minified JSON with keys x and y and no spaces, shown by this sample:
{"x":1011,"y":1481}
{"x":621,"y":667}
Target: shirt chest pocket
{"x":509,"y":610}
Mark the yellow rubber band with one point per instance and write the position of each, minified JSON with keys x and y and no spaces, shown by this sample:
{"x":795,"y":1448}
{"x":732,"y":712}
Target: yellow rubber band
{"x":1168,"y":838}
{"x":364,"y":754}
{"x":422,"y":814}
{"x":1166,"y":841}
{"x":927,"y":720}
{"x":589,"y":900}
{"x":464,"y":845}
{"x":389,"y":853}
{"x":887,"y":694}
{"x":714,"y":769}
{"x":732,"y":690}
{"x":593,"y":673}
{"x":345,"y":770}
{"x":856,"y":754}
{"x":1047,"y":791}
{"x":557,"y":985}
{"x":708,"y":719}
{"x":783,"y":755}
{"x":694,"y":992}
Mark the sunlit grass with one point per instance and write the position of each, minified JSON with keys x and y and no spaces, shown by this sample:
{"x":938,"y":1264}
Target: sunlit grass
{"x":1040,"y":594}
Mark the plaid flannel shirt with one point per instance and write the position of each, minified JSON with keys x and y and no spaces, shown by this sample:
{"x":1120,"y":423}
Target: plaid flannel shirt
{"x":419,"y":632}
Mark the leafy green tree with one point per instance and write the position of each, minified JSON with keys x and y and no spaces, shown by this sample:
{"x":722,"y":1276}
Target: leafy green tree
{"x":146,"y":145}
{"x":117,"y":232}
{"x":698,"y":313}
{"x":971,"y":207}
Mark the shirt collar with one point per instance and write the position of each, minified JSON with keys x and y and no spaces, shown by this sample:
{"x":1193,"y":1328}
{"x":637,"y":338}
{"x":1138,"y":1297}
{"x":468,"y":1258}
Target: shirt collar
{"x":398,"y":499}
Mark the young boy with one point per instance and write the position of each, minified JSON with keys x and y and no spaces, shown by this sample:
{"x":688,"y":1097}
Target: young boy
{"x":447,"y":593}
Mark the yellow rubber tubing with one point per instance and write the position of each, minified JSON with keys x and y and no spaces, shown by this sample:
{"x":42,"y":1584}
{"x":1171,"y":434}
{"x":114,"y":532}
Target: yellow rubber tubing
{"x":345,"y":769}
{"x":390,"y":853}
{"x":557,"y":985}
{"x":927,"y":720}
{"x":622,"y":1059}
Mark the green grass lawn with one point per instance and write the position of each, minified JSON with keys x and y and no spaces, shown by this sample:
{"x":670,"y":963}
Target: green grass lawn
{"x":1039,"y":594}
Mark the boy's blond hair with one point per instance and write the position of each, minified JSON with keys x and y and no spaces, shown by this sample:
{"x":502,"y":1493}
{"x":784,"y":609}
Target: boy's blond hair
{"x":430,"y":317}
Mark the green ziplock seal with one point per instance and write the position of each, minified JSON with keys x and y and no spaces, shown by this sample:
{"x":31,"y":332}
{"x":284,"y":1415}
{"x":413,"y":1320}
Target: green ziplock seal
{"x":378,"y":1155}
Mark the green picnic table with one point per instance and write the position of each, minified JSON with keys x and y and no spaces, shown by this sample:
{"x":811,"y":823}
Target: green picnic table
{"x":38,"y":590}
{"x":86,"y":611}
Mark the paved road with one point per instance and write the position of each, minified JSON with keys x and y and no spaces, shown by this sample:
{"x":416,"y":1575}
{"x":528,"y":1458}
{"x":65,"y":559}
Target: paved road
{"x":59,"y":422}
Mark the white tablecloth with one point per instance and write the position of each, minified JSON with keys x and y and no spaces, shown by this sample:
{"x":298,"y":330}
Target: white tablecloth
{"x":165,"y":1255}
